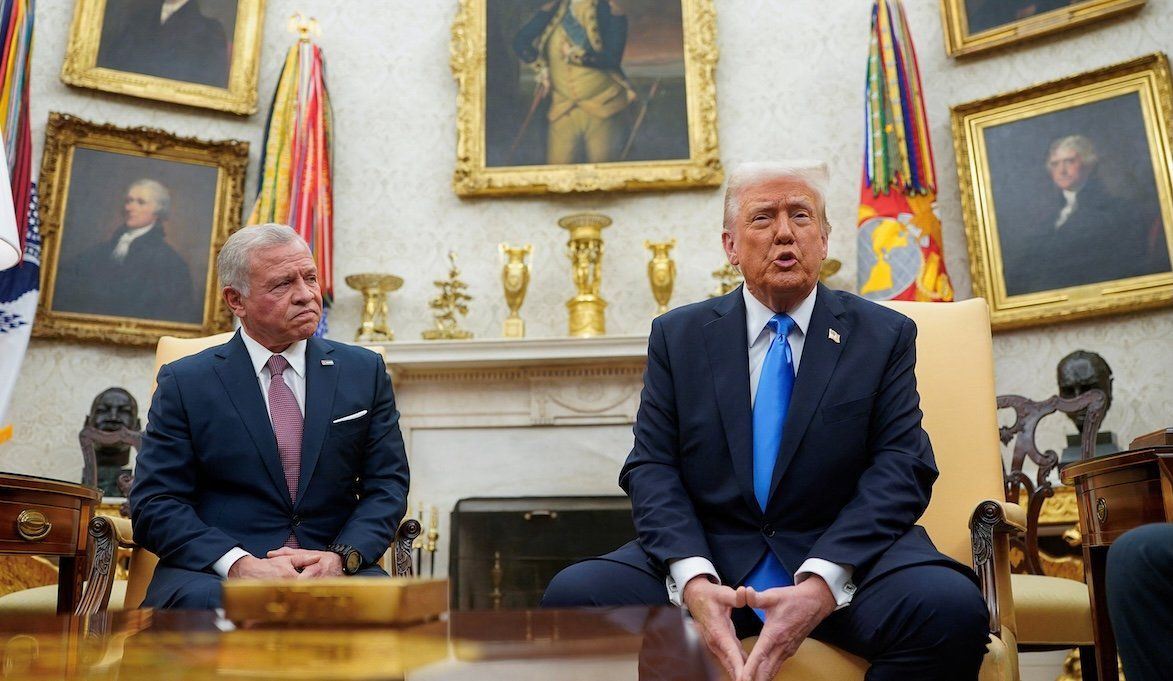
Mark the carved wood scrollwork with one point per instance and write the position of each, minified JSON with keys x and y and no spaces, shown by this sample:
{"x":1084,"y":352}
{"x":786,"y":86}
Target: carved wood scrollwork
{"x":104,"y":539}
{"x":987,"y":518}
{"x":1027,"y":414}
{"x":408,"y":530}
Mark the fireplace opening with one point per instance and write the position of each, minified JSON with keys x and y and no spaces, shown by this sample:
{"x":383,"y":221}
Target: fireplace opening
{"x":504,"y":551}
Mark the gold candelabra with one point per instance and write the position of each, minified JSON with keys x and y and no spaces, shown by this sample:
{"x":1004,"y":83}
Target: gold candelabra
{"x":661,"y":272}
{"x":585,"y":250}
{"x":451,"y":300}
{"x":515,"y":279}
{"x":374,"y":289}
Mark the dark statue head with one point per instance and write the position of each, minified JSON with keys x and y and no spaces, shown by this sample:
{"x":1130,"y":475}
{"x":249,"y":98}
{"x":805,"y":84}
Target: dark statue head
{"x":1078,"y":373}
{"x":112,"y":409}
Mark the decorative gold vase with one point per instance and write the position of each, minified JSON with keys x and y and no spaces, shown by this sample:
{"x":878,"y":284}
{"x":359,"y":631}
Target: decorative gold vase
{"x":585,"y":250}
{"x":661,"y":272}
{"x":515,"y":280}
{"x":374,"y":289}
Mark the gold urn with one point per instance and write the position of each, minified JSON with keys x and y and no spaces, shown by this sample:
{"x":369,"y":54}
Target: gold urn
{"x":374,"y":289}
{"x":661,"y":272}
{"x":585,"y":250}
{"x":515,"y":280}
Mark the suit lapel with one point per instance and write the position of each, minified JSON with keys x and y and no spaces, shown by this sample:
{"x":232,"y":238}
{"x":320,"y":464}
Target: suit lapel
{"x":236,"y":374}
{"x":819,"y":355}
{"x":728,"y":354}
{"x":320,"y":381}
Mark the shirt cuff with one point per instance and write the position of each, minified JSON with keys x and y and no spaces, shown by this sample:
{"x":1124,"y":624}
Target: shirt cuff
{"x":837,"y":577}
{"x":229,"y":559}
{"x":680,"y":571}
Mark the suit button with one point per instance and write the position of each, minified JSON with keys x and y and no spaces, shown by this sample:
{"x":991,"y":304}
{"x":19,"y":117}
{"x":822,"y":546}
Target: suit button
{"x":768,"y":530}
{"x":296,"y":521}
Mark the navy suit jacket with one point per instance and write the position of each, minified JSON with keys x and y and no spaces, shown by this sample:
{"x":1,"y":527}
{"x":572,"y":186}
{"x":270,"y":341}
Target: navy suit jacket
{"x":854,"y":470}
{"x":209,"y":478}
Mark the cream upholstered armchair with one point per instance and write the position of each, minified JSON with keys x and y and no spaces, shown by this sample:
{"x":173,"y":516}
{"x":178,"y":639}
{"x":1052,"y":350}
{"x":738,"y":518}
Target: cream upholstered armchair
{"x":110,"y":534}
{"x":967,"y":518}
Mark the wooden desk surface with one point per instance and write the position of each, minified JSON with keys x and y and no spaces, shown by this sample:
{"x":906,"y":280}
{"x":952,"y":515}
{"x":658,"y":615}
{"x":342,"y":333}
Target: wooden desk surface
{"x":614,"y":644}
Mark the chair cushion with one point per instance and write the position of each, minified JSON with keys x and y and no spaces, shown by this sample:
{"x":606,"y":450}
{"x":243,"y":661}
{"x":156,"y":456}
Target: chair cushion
{"x":44,"y":598}
{"x":817,"y":661}
{"x":1051,"y":611}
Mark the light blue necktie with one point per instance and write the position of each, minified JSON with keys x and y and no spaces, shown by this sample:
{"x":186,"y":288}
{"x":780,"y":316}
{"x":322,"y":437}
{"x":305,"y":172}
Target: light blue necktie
{"x":775,"y":383}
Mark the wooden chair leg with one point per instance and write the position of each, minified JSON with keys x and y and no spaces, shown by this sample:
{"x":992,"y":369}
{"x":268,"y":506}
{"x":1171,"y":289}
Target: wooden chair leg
{"x":1087,"y":663}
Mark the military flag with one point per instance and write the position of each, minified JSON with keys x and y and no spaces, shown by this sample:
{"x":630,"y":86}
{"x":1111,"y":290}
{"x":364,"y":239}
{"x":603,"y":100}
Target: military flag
{"x":899,"y":238}
{"x":296,"y":186}
{"x":20,"y":280}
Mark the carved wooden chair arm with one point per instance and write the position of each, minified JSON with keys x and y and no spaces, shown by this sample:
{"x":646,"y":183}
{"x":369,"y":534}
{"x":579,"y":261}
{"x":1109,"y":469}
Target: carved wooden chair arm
{"x":104,"y":540}
{"x":408,"y":530}
{"x":990,"y":526}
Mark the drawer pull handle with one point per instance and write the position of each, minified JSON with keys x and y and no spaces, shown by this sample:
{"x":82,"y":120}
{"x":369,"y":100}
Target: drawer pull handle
{"x":1101,"y":509}
{"x":32,"y":525}
{"x":530,"y":515}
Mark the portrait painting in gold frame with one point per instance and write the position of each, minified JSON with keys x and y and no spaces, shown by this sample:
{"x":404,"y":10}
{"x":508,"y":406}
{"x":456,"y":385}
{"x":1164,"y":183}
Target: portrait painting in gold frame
{"x":973,"y":26}
{"x":585,"y":95}
{"x":1066,"y":192}
{"x":132,"y":221}
{"x":201,"y":53}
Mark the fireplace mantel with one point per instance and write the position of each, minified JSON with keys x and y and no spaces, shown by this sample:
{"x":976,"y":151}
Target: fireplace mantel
{"x":513,"y":418}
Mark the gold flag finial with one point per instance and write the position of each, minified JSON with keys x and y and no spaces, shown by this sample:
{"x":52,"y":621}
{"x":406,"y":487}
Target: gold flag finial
{"x":302,"y":26}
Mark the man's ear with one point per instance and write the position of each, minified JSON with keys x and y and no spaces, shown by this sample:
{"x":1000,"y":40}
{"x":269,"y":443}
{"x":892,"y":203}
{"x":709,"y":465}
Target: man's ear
{"x":730,"y":245}
{"x":234,"y":300}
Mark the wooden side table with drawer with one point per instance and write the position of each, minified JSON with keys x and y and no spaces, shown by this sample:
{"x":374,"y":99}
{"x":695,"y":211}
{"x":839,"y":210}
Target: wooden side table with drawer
{"x":1115,"y":494}
{"x":49,"y":518}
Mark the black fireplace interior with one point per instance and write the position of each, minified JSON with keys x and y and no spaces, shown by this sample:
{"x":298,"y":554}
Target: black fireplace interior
{"x":504,"y":551}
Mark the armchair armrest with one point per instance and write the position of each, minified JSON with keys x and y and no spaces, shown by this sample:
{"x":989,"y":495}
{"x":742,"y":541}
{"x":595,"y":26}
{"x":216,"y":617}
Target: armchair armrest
{"x":990,"y":526}
{"x":123,"y":532}
{"x":408,"y":530}
{"x":104,"y":539}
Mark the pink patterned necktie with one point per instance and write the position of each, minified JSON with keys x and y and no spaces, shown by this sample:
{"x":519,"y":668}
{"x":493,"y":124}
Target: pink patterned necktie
{"x":287,"y":426}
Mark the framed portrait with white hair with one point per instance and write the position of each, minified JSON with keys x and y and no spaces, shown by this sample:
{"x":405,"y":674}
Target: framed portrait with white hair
{"x":132,"y":221}
{"x":203,"y":53}
{"x":973,"y":26}
{"x":560,"y":96}
{"x":1067,"y":194}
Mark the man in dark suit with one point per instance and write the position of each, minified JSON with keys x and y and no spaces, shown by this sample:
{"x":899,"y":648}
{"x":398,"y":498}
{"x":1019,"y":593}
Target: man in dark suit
{"x":135,"y":273}
{"x":1140,"y":600}
{"x":169,"y":39}
{"x":780,"y":463}
{"x":275,"y":455}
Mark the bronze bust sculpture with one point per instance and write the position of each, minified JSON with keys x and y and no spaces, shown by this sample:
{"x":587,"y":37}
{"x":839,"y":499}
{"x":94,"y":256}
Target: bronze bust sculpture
{"x":1078,"y":373}
{"x":114,"y":410}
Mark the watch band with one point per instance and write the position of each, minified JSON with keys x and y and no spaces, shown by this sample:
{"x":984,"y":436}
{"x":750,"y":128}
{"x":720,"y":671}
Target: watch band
{"x":352,"y":560}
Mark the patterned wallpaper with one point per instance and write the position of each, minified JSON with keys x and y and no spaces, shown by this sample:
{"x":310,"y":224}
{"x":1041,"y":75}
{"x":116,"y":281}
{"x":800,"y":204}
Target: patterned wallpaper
{"x":789,"y":86}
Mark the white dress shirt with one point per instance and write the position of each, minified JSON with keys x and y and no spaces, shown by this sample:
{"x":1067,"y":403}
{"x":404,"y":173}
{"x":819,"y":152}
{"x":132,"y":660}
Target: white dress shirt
{"x":295,"y":378}
{"x":1069,"y":207}
{"x":170,"y":7}
{"x":760,"y":336}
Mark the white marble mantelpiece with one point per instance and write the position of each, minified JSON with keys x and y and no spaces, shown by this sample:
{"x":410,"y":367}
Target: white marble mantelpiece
{"x":510,"y":418}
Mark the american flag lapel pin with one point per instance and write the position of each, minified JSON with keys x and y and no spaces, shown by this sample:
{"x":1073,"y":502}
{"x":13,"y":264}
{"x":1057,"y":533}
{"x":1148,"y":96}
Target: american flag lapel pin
{"x":833,"y":335}
{"x":330,"y":362}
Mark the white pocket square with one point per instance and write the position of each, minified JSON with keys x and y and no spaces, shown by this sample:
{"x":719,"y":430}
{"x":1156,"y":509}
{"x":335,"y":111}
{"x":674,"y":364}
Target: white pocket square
{"x":355,"y":415}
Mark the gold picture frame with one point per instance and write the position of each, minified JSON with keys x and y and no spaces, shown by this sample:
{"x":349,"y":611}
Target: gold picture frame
{"x":664,"y":84}
{"x":1067,"y":194}
{"x":973,"y":26}
{"x":114,"y":46}
{"x":99,"y":185}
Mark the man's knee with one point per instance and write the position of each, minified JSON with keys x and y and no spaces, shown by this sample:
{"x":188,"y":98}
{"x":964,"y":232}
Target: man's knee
{"x":1140,"y":558}
{"x":602,"y":582}
{"x":953,"y":612}
{"x":202,"y":592}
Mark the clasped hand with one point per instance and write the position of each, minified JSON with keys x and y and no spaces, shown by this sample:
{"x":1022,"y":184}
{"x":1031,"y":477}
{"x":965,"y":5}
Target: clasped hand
{"x":287,"y":563}
{"x":792,"y":612}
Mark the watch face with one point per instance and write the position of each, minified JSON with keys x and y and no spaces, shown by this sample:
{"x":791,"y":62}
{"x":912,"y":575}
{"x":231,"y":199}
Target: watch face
{"x":353,"y":562}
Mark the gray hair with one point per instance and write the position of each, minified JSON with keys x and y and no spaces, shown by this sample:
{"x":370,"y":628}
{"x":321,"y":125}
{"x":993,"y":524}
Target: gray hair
{"x":811,"y":173}
{"x":236,"y":256}
{"x":162,"y":196}
{"x":1077,"y":143}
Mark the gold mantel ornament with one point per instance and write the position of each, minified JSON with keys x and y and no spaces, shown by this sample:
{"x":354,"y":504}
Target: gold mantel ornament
{"x":451,"y":300}
{"x":515,"y":279}
{"x":374,"y":289}
{"x":585,"y":250}
{"x":661,"y":272}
